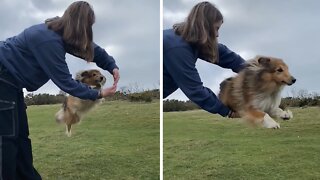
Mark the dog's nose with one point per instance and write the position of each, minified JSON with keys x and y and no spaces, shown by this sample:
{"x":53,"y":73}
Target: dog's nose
{"x":293,"y":80}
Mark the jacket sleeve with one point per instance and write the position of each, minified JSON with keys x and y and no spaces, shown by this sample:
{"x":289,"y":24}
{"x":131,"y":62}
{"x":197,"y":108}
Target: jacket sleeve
{"x":180,"y":64}
{"x":51,"y":58}
{"x":103,"y":59}
{"x":229,"y":59}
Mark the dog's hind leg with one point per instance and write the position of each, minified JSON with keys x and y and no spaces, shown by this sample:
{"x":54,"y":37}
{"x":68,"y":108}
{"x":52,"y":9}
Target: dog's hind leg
{"x":283,"y":114}
{"x":258,"y":117}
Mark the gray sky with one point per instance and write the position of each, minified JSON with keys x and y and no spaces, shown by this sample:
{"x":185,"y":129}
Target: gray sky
{"x":128,"y":30}
{"x":288,"y":29}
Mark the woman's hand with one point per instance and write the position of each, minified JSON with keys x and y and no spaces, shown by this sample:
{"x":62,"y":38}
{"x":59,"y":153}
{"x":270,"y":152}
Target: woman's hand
{"x":116,"y":76}
{"x":233,"y":114}
{"x":108,"y":91}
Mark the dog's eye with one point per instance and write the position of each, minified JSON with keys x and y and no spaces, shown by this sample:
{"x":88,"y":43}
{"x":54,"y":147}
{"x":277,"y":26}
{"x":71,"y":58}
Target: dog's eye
{"x":280,"y":70}
{"x":94,"y":74}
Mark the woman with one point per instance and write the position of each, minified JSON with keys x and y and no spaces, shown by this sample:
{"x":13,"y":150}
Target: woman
{"x":29,"y":60}
{"x":195,"y":38}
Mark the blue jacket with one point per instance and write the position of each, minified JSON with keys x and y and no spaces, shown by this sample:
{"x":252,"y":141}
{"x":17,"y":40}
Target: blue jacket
{"x":179,"y":71}
{"x":38,"y":54}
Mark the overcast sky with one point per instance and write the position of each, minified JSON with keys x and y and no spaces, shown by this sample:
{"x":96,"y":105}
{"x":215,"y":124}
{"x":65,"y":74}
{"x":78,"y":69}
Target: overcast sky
{"x":288,"y":29}
{"x":128,"y":30}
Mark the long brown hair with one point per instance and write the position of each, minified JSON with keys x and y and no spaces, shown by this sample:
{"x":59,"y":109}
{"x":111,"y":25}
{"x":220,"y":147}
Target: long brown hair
{"x":75,"y":27}
{"x":198,"y":29}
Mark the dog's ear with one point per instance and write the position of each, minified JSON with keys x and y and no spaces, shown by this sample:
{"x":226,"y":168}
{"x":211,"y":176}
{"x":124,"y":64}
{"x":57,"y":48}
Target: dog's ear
{"x":80,"y":75}
{"x":264,"y":61}
{"x":85,"y":74}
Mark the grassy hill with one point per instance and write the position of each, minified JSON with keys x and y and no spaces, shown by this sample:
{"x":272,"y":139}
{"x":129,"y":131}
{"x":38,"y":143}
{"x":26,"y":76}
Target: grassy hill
{"x":199,"y":145}
{"x":117,"y":140}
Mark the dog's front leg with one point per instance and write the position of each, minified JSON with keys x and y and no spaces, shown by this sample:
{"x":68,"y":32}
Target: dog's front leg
{"x":268,"y":122}
{"x":68,"y":130}
{"x":259,"y":117}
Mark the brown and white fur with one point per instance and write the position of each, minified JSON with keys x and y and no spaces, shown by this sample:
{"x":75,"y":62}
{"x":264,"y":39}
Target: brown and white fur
{"x":255,"y":93}
{"x":73,"y":108}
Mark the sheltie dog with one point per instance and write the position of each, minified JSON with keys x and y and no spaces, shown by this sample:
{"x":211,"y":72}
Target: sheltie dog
{"x":73,"y":108}
{"x":255,"y":93}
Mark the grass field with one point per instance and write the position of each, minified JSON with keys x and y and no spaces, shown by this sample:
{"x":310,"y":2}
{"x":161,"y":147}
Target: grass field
{"x":117,"y":140}
{"x":199,"y":145}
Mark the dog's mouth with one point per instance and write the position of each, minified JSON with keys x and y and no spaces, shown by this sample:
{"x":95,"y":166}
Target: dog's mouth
{"x":288,"y":83}
{"x":284,"y":82}
{"x":97,"y":85}
{"x":100,"y":82}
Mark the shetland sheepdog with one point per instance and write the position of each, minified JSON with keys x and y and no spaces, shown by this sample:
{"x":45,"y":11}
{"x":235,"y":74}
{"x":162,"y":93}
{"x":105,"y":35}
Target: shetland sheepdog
{"x":73,"y":108}
{"x":255,"y":93}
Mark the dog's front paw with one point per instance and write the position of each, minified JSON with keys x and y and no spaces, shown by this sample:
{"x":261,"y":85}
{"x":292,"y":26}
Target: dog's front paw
{"x":268,"y":122}
{"x":68,"y":134}
{"x":286,"y":115}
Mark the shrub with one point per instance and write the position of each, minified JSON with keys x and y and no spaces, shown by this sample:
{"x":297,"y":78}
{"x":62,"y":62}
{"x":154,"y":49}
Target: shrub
{"x":144,"y":96}
{"x":176,"y":105}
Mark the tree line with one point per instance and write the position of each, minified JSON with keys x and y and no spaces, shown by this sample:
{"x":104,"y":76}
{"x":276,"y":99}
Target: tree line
{"x":144,"y":96}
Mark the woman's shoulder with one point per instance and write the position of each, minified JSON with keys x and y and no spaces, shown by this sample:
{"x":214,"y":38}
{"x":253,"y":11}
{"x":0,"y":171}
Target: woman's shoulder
{"x":40,"y":33}
{"x":172,"y":41}
{"x":170,"y":37}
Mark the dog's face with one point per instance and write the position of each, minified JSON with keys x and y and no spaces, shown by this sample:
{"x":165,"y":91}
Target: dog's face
{"x":91,"y":77}
{"x":276,"y":70}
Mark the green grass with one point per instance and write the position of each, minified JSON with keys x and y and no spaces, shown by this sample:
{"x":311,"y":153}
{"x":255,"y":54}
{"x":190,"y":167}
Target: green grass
{"x":199,"y":145}
{"x":116,"y":140}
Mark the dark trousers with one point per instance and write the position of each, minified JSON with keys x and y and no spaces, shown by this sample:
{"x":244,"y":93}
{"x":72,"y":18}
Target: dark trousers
{"x":16,"y":160}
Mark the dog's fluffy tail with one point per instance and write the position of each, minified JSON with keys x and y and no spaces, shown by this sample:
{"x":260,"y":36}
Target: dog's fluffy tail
{"x":60,"y":116}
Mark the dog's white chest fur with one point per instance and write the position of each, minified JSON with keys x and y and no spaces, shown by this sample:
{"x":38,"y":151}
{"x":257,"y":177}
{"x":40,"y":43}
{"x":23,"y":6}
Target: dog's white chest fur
{"x":267,"y":103}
